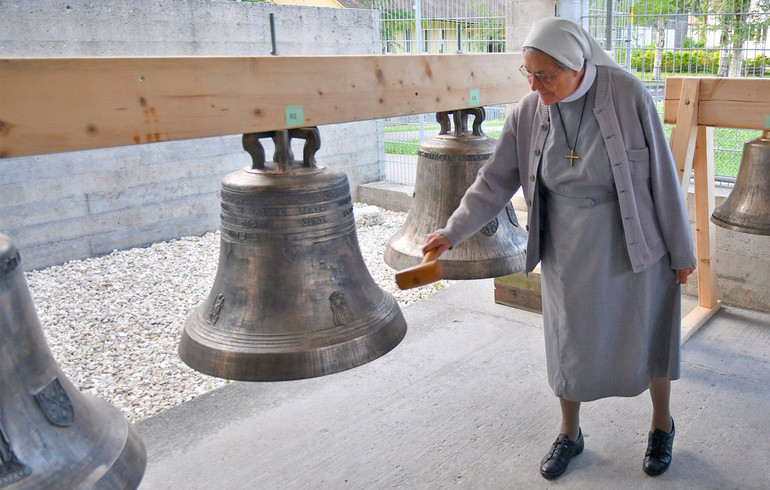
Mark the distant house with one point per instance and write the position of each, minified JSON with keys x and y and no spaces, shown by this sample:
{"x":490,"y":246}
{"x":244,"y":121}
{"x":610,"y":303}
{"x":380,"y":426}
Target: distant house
{"x":480,"y":23}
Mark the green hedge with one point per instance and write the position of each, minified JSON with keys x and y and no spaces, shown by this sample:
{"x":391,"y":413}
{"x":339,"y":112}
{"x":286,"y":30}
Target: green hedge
{"x":687,"y":61}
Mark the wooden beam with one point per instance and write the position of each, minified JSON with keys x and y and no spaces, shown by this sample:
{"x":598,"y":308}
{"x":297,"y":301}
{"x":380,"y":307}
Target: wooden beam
{"x":683,"y":134}
{"x":742,"y":103}
{"x":62,"y":104}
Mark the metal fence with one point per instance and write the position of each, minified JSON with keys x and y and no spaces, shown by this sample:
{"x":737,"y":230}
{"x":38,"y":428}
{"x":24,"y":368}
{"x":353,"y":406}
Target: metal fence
{"x":653,"y":39}
{"x":434,"y":26}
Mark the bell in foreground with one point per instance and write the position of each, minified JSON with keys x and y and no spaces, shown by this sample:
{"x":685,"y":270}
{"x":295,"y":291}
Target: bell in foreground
{"x":51,"y":434}
{"x":292,"y":297}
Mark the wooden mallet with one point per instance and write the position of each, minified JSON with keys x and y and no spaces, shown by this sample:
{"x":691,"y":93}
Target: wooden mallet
{"x":427,"y":272}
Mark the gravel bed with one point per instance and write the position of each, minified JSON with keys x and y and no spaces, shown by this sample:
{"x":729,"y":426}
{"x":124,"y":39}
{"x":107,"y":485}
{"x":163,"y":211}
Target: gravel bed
{"x":113,"y":323}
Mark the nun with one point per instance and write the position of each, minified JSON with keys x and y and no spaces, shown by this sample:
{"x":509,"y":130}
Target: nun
{"x":606,"y":222}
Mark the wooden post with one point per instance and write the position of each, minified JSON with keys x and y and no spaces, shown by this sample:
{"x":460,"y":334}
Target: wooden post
{"x":705,"y":231}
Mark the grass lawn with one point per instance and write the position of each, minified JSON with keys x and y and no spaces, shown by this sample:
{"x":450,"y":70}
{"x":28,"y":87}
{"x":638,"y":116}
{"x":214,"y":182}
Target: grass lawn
{"x":728,"y":143}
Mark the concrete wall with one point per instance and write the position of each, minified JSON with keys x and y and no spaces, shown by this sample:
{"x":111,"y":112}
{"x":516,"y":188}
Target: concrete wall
{"x":742,"y":263}
{"x":82,"y":204}
{"x":519,"y":17}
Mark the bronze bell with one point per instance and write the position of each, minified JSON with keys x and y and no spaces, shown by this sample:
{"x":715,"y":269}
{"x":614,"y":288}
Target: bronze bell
{"x":747,"y":208}
{"x":292,"y":297}
{"x":51,"y":434}
{"x":447,"y":165}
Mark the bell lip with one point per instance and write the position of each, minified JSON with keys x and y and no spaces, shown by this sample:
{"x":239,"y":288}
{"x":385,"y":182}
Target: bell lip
{"x":280,"y":366}
{"x":9,"y":255}
{"x":720,"y":220}
{"x":462,"y":268}
{"x":127,"y":471}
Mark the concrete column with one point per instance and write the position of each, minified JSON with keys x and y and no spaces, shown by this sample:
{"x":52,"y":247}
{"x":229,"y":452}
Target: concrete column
{"x":519,"y":17}
{"x":571,"y":10}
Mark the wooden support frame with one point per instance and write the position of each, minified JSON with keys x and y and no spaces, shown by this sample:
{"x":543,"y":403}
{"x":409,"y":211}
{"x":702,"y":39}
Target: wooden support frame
{"x":695,"y":106}
{"x":51,"y":105}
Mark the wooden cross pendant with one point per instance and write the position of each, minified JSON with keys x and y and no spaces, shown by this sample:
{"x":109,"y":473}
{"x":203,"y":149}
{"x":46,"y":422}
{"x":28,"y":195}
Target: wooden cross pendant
{"x":571,"y":156}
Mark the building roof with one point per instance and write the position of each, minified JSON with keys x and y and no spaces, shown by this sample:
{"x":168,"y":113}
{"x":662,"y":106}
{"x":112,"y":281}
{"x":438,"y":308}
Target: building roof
{"x":438,"y":9}
{"x":352,"y":4}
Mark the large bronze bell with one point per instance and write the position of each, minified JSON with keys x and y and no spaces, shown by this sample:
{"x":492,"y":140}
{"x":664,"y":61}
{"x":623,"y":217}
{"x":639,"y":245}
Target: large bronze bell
{"x":747,"y":208}
{"x":51,"y":434}
{"x":292,"y":297}
{"x":447,"y":165}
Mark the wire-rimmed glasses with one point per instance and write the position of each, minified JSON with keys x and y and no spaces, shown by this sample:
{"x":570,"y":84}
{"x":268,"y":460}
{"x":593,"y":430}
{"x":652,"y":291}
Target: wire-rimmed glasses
{"x":540,"y":77}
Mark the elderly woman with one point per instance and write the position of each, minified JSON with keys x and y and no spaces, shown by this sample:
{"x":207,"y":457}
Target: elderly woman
{"x":607,"y":223}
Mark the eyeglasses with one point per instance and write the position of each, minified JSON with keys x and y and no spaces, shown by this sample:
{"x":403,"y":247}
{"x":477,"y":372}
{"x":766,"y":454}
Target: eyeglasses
{"x":540,"y":77}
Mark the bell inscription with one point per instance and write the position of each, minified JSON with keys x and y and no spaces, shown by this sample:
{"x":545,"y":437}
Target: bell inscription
{"x":216,"y":307}
{"x":55,"y":404}
{"x":490,"y":228}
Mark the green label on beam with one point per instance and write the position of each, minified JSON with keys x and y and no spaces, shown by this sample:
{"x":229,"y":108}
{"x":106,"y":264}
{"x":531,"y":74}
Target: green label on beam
{"x":474,"y":97}
{"x":294,"y":116}
{"x":767,"y":121}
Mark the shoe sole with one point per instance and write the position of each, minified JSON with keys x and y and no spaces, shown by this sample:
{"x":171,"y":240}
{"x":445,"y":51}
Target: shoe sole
{"x":652,"y":473}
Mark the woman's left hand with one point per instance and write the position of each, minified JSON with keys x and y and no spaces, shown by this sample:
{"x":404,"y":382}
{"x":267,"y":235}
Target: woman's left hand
{"x":681,"y":274}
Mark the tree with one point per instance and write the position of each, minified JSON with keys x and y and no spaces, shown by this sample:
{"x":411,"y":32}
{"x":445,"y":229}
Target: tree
{"x":738,"y":22}
{"x":656,"y":13}
{"x":490,"y":29}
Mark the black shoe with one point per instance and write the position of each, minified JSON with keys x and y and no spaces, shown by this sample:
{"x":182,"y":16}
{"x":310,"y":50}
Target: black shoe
{"x":660,"y":448}
{"x":555,"y":462}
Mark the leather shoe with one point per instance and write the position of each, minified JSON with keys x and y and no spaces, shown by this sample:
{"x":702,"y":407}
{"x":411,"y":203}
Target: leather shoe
{"x":562,"y":450}
{"x":660,"y":448}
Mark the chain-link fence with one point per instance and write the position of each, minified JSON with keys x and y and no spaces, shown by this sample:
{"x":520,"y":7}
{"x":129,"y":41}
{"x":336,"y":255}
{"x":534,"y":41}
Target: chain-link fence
{"x":653,"y":39}
{"x":434,"y":27}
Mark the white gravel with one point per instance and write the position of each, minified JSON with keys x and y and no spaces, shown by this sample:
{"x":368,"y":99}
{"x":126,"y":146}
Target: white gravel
{"x":113,"y":323}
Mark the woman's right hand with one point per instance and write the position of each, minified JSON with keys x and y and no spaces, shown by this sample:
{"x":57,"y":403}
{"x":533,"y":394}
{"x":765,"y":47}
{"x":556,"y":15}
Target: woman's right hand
{"x":437,"y":241}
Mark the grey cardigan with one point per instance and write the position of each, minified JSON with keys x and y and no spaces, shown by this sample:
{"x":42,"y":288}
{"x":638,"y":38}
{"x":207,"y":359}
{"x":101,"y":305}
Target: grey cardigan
{"x":652,"y":208}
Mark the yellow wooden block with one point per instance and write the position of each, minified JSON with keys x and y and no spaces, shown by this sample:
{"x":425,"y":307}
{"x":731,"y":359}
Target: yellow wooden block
{"x":519,"y":291}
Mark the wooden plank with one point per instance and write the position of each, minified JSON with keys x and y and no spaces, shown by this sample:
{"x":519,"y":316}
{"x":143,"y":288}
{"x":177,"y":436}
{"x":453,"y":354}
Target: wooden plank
{"x":684,"y":133}
{"x":63,"y":104}
{"x":723,"y":102}
{"x":696,"y":319}
{"x":705,"y":230}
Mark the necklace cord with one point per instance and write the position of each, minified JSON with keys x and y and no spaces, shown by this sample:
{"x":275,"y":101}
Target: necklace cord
{"x":580,"y":123}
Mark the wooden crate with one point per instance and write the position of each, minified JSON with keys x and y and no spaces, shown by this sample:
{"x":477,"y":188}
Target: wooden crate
{"x":519,"y":291}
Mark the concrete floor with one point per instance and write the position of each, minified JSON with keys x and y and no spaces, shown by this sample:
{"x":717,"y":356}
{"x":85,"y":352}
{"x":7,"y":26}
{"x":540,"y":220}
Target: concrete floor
{"x":463,"y":401}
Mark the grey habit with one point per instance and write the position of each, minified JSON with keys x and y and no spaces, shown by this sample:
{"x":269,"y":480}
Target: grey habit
{"x":608,"y":330}
{"x":608,"y":231}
